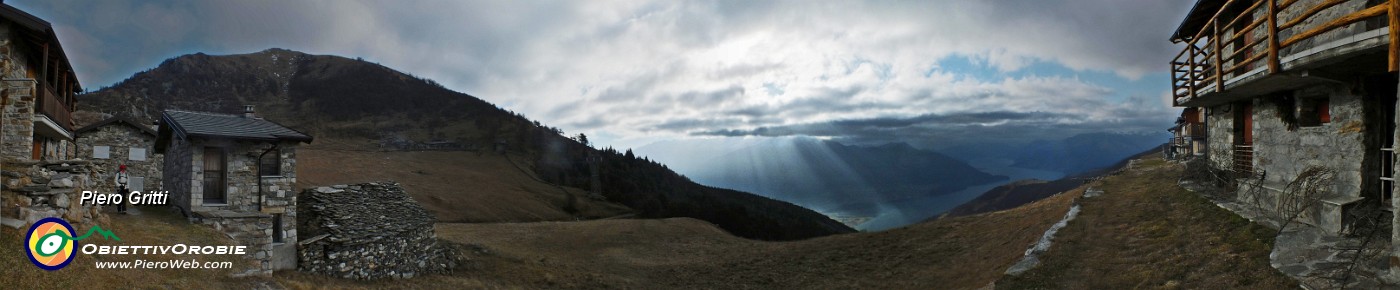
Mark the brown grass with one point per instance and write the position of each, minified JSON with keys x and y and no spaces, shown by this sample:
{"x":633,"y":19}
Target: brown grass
{"x":1146,"y":232}
{"x":956,"y":253}
{"x":457,"y":186}
{"x":156,"y":227}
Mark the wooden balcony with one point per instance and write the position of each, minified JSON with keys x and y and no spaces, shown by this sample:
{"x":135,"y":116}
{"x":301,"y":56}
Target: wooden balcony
{"x":1185,"y":133}
{"x":1253,"y":47}
{"x":49,"y":105}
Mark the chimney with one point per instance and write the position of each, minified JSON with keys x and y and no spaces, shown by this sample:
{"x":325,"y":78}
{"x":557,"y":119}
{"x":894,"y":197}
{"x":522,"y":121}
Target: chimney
{"x":248,"y":112}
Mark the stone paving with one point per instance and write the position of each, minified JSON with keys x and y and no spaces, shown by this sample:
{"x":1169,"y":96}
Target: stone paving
{"x":1311,"y":255}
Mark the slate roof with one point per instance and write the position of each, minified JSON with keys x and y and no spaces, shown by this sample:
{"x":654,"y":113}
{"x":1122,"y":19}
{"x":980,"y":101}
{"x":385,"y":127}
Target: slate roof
{"x":40,"y":31}
{"x":186,"y":124}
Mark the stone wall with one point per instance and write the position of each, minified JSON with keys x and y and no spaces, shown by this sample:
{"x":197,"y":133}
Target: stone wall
{"x":253,"y":230}
{"x":17,"y":89}
{"x":1322,"y":17}
{"x":1282,"y":154}
{"x":120,"y":138}
{"x":1220,"y":126}
{"x":369,"y":231}
{"x":178,"y":173}
{"x":35,"y":190}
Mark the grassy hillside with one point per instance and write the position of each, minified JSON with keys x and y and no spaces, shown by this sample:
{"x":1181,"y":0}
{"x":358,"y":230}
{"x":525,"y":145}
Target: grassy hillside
{"x":1146,"y":232}
{"x":456,"y":186}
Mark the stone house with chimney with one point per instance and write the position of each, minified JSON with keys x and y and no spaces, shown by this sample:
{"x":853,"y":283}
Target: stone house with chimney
{"x":1289,"y":86}
{"x":122,"y":141}
{"x":236,"y":173}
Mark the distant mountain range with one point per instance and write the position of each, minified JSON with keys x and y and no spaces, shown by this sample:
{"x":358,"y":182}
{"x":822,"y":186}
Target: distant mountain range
{"x":823,"y":175}
{"x":1021,"y":192}
{"x":1072,"y":155}
{"x":357,"y":102}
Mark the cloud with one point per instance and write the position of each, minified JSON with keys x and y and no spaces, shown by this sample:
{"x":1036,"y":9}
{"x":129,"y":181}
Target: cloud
{"x":649,"y":69}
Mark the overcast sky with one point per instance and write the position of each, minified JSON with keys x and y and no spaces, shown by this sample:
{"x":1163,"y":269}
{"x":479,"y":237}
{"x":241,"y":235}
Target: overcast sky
{"x":632,"y":72}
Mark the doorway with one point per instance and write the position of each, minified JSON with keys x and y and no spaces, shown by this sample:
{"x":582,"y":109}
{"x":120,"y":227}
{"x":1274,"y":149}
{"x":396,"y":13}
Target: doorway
{"x":214,"y":176}
{"x":1243,"y":147}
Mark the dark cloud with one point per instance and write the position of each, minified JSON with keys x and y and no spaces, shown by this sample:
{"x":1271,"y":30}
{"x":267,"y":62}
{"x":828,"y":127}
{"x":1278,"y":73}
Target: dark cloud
{"x":659,"y":69}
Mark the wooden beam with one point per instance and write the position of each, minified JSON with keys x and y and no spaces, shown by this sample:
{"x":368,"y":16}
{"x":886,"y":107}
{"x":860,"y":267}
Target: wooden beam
{"x":44,"y":69}
{"x":1273,"y":36}
{"x":1394,"y":13}
{"x":1307,"y":14}
{"x":1337,"y":23}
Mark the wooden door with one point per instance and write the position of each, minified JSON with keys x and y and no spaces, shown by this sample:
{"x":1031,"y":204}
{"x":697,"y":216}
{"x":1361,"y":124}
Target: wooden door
{"x":1248,"y":115}
{"x":215,"y":183}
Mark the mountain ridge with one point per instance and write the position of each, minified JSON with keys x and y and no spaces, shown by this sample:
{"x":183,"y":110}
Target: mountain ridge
{"x":338,"y":98}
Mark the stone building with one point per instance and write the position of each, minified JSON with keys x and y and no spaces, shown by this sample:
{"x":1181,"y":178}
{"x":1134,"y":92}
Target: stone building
{"x":37,"y":87}
{"x":1290,"y":85}
{"x":369,"y":231}
{"x":236,"y":173}
{"x":122,"y":141}
{"x":1188,"y":134}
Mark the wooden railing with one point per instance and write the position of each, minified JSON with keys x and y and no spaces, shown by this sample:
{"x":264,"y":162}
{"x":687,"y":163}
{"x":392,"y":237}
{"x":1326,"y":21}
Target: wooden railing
{"x":49,"y":105}
{"x":1227,"y":45}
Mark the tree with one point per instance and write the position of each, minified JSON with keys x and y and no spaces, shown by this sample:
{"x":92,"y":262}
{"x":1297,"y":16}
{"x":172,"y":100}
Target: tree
{"x":629,"y":154}
{"x":582,"y":139}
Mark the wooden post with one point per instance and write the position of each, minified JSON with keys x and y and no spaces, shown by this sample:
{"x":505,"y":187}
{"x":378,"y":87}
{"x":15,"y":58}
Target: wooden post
{"x":1273,"y":36}
{"x":1191,"y":69}
{"x":1394,"y":16}
{"x":1219,"y":74}
{"x":43,"y":73}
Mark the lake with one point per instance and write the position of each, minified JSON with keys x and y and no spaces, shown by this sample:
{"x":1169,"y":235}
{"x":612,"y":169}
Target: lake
{"x":916,"y":210}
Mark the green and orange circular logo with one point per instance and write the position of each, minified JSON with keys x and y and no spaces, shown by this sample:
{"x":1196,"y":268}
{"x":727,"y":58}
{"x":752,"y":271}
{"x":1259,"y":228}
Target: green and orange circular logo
{"x":50,"y":243}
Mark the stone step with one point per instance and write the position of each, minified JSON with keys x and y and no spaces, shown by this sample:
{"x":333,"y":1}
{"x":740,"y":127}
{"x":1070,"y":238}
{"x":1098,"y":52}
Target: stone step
{"x":12,"y":223}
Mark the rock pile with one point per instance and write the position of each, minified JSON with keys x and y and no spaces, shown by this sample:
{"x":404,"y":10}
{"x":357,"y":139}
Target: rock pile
{"x":40,"y":189}
{"x":368,"y":231}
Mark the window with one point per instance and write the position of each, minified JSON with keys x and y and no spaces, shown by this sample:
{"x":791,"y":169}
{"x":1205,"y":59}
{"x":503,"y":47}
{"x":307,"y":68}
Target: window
{"x":277,"y":228}
{"x":271,"y":164}
{"x":1314,"y":111}
{"x":101,"y":152}
{"x":136,"y":154}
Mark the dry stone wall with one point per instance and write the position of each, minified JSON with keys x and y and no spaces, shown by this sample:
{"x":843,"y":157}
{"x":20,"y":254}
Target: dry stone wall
{"x":369,"y":231}
{"x":36,"y":190}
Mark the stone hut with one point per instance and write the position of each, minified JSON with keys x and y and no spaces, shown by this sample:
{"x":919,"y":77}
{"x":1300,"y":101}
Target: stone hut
{"x":237,"y":174}
{"x":123,"y":141}
{"x":369,"y":231}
